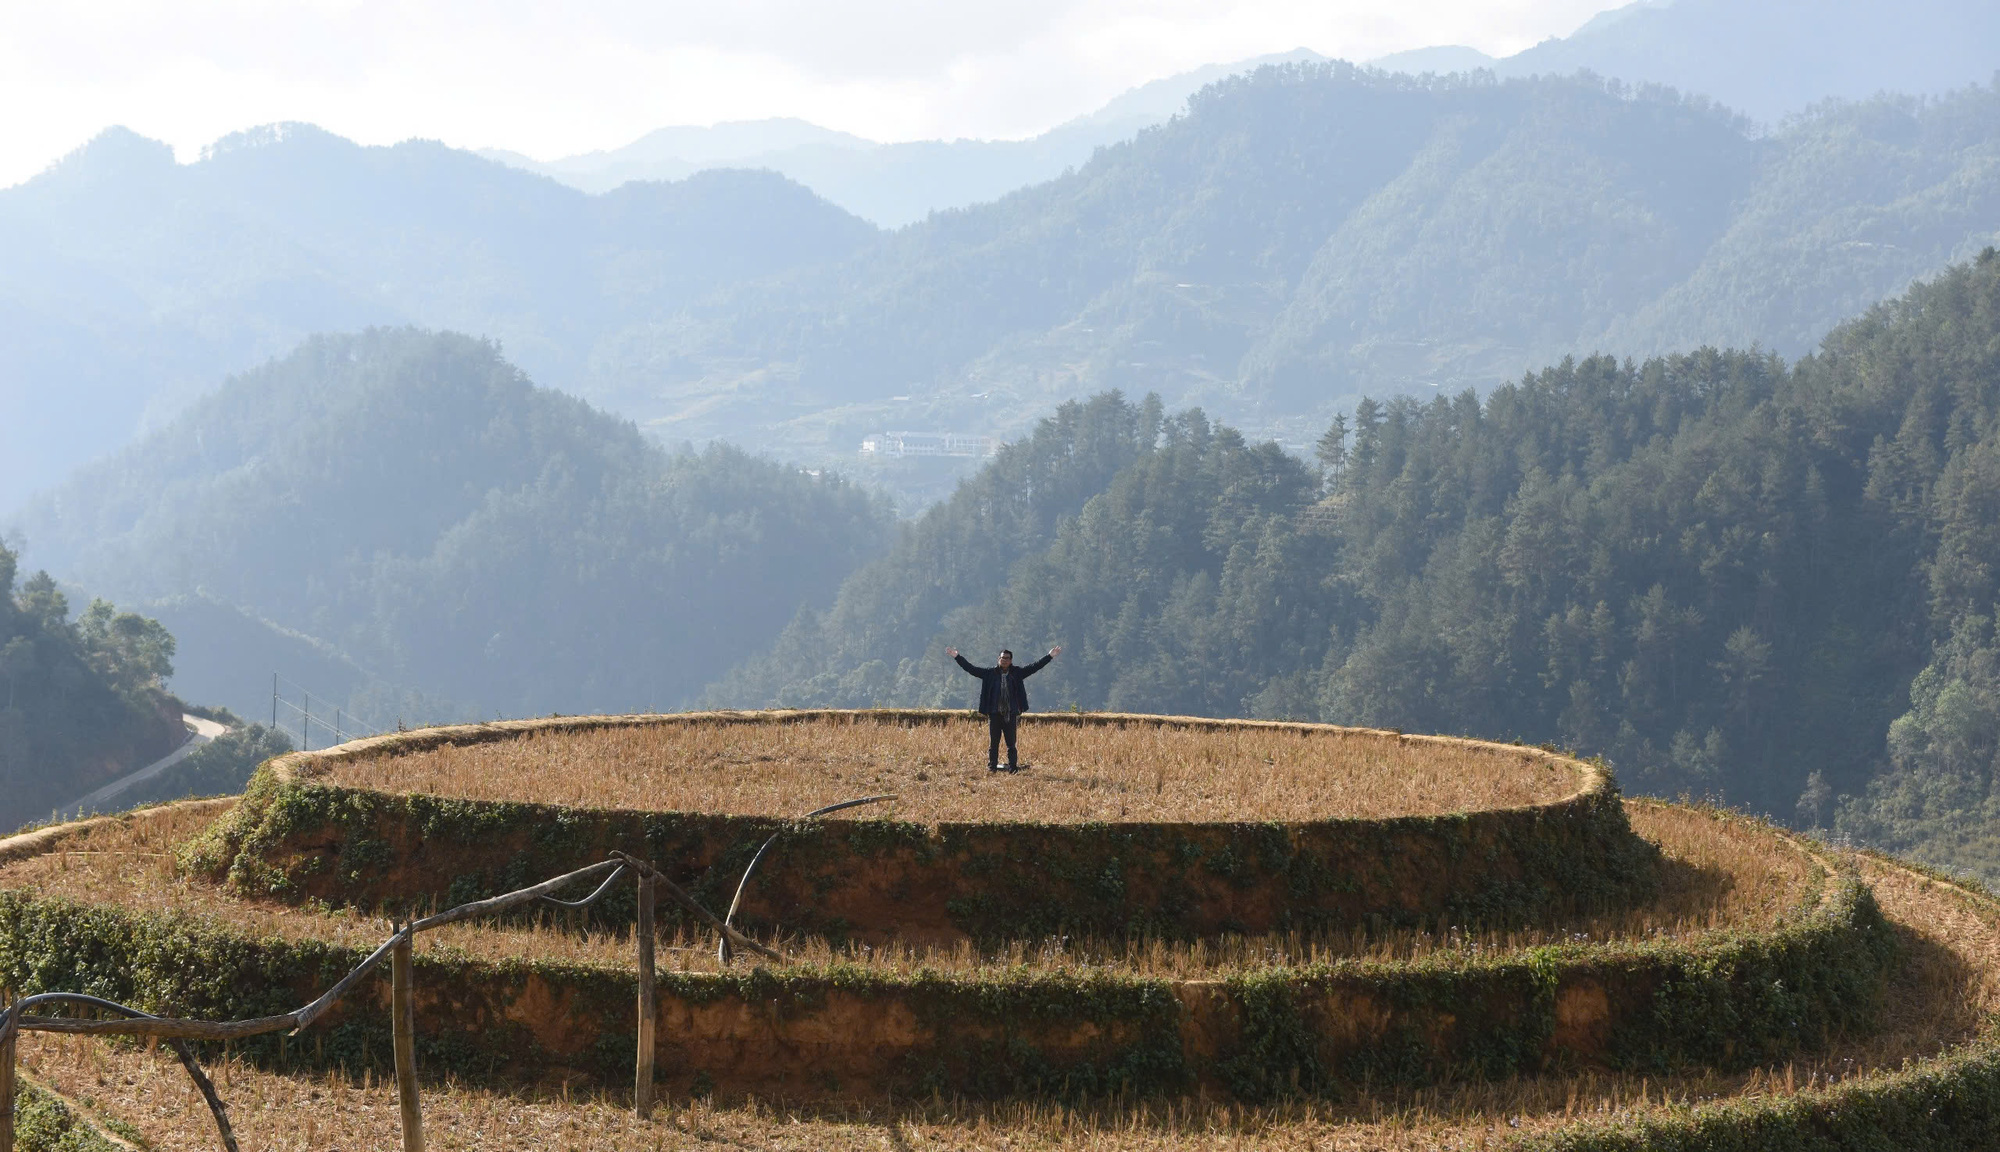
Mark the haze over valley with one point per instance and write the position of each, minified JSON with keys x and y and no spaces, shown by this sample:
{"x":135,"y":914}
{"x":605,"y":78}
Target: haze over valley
{"x":1769,"y":61}
{"x":1611,"y":391}
{"x":1365,"y":234}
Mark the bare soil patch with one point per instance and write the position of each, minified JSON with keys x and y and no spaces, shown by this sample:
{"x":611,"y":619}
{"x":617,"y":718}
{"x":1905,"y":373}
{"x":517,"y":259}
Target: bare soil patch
{"x":1080,"y":772}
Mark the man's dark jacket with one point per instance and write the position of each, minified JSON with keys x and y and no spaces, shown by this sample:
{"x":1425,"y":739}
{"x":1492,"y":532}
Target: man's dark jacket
{"x":994,"y":681}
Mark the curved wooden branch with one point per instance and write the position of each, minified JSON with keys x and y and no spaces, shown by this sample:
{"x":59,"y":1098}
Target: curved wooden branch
{"x":704,"y":915}
{"x":16,"y":1018}
{"x":313,"y":1011}
{"x":216,"y":1107}
{"x":587,"y":901}
{"x":729,"y":920}
{"x":519,"y":896}
{"x":139,"y":1024}
{"x":165,"y":1029}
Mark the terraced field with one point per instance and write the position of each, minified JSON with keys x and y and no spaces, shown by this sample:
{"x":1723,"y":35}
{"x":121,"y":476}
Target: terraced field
{"x":1722,"y":874}
{"x":1130,"y":770}
{"x":1730,"y":986}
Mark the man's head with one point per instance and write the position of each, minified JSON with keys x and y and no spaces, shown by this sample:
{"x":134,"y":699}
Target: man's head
{"x":1006,"y":657}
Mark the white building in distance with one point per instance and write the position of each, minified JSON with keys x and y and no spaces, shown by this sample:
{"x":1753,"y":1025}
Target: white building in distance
{"x":896,"y":445}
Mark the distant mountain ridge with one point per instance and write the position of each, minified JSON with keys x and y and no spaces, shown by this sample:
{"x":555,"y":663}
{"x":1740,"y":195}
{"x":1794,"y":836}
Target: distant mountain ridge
{"x":1769,"y":59}
{"x":1303,"y":235}
{"x":889,"y":184}
{"x":132,"y":283}
{"x":1766,"y":58}
{"x":1311,"y":233}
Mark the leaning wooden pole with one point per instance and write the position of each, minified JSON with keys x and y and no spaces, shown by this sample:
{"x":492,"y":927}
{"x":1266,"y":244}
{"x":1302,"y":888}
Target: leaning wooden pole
{"x":404,"y":1011}
{"x":642,"y":1077}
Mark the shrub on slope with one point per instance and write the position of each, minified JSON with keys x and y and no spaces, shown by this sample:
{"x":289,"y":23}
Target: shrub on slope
{"x":80,"y":699}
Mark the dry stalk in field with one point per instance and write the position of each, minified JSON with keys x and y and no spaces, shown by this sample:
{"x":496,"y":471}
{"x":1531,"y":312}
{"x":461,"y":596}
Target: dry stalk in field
{"x":1140,"y":771}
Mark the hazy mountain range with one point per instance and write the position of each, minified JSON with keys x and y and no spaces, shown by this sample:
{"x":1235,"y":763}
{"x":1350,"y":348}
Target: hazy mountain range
{"x":132,"y":284}
{"x":431,"y":525}
{"x":1768,"y":59}
{"x":889,"y":184}
{"x":1298,"y":236}
{"x":1304,"y":234}
{"x":1309,"y":233}
{"x":405,"y":524}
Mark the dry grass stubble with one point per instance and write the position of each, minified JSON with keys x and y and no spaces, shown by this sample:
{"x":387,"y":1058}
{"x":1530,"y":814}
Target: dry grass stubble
{"x":1081,"y":772}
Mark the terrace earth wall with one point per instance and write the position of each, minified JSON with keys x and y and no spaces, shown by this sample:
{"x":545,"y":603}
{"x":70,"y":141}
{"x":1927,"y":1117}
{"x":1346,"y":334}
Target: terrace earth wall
{"x":851,"y":1031}
{"x":1947,"y":1103}
{"x":298,"y":837}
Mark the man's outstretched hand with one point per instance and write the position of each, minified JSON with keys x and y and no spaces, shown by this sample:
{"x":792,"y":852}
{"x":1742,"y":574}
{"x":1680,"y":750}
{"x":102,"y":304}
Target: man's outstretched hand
{"x":1055,"y":651}
{"x":951,"y":652}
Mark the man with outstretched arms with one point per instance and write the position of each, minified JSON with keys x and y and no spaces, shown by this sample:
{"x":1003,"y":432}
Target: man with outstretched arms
{"x":1002,"y":698}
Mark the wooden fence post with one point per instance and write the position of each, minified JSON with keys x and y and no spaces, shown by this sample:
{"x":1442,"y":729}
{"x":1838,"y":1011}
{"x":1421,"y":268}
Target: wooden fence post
{"x":642,"y":1081}
{"x":7,"y":1095}
{"x":404,"y":1011}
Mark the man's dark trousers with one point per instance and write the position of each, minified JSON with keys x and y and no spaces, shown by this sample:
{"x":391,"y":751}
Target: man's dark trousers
{"x":999,"y":725}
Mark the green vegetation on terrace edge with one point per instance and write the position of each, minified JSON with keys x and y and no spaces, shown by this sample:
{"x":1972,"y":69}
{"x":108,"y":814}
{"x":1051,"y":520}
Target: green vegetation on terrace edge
{"x":1726,"y":1000}
{"x":1947,"y":1104}
{"x":413,"y":502}
{"x":307,"y":840}
{"x":1728,"y":575}
{"x":190,"y":968}
{"x":44,"y":1123}
{"x":81,"y":700}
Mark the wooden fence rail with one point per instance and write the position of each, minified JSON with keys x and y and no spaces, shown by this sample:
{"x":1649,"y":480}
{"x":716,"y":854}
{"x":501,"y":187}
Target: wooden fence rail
{"x":399,"y":950}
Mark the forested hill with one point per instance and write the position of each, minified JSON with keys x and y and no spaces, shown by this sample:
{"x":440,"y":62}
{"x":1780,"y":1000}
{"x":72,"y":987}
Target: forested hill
{"x":132,"y":282}
{"x":81,"y":698}
{"x":414,"y":504}
{"x":1723,"y":572}
{"x":1309,"y":233}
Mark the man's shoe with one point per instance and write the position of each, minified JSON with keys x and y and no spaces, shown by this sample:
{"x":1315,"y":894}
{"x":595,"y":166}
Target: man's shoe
{"x":993,"y":767}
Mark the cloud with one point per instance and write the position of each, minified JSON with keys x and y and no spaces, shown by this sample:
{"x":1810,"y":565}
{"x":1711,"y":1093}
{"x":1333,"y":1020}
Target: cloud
{"x":551,"y":79}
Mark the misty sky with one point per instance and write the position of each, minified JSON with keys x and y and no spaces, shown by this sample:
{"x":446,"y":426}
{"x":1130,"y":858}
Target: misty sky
{"x":551,"y":79}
